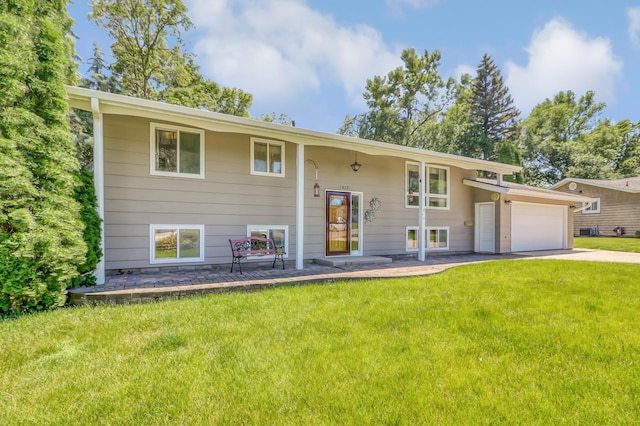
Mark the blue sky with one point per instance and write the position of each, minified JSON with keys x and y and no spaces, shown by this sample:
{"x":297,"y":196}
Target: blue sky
{"x":310,"y":59}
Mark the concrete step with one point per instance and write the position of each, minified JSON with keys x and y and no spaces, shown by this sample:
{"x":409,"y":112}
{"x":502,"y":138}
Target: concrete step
{"x":351,"y":260}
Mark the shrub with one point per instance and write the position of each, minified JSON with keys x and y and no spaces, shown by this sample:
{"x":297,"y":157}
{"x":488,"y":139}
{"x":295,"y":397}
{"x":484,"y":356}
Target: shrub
{"x":86,"y":196}
{"x":40,"y":229}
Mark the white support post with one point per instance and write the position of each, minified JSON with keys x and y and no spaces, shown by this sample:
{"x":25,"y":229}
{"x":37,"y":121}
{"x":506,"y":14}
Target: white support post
{"x":499,"y":179}
{"x":98,"y":180}
{"x":423,"y":212}
{"x":300,"y":208}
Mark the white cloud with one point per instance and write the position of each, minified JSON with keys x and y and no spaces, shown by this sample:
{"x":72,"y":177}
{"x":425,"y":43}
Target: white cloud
{"x":634,"y":26}
{"x":561,"y":59}
{"x":414,"y":4}
{"x":396,"y":6}
{"x":280,"y":50}
{"x":464,"y":69}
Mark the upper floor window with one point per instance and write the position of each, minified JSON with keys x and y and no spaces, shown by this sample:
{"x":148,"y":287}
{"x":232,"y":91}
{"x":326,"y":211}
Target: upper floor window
{"x":593,"y":208}
{"x":437,"y":186}
{"x":267,"y":157}
{"x":177,"y":151}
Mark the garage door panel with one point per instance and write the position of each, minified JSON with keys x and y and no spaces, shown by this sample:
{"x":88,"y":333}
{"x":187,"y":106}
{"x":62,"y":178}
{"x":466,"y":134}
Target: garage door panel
{"x":537,"y":226}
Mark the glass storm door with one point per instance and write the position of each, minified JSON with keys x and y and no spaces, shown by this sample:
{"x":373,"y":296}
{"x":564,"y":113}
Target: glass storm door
{"x":338,"y":223}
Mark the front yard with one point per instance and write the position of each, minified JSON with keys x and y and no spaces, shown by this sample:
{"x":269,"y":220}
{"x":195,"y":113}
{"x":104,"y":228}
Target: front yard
{"x":608,"y":243}
{"x":518,"y":342}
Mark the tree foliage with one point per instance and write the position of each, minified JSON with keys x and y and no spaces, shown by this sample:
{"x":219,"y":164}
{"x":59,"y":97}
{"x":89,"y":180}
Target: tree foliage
{"x":85,"y":195}
{"x":41,"y":242}
{"x":493,"y":114}
{"x":554,"y":140}
{"x":148,"y":66}
{"x":403,"y":103}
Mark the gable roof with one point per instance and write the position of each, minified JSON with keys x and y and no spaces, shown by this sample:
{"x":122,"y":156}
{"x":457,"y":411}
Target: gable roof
{"x":109,"y":103}
{"x":631,"y":184}
{"x":524,"y":190}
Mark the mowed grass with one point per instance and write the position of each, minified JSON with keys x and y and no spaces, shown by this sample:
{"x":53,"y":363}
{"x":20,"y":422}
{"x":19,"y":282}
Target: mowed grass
{"x":608,"y":243}
{"x":505,"y":342}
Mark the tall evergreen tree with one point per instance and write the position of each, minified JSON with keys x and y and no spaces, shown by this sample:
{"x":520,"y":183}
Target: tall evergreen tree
{"x":41,"y":241}
{"x":492,"y":110}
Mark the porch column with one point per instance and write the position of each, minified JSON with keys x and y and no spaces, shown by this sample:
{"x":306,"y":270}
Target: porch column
{"x":300,"y":208}
{"x":98,"y":180}
{"x":423,"y":213}
{"x":499,"y":179}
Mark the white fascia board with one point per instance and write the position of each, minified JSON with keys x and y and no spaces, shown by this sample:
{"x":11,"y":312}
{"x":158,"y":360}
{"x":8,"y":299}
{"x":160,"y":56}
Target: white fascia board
{"x":125,"y":105}
{"x":560,"y":196}
{"x":596,"y":184}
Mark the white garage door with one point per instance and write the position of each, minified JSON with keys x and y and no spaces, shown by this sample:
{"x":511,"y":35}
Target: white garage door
{"x":538,"y":226}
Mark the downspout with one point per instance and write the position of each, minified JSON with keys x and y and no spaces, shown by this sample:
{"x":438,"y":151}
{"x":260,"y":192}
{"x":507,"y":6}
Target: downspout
{"x":422,"y":214}
{"x":300,"y":208}
{"x":98,"y":180}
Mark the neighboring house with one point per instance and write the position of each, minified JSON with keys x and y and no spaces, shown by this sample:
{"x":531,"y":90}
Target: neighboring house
{"x":614,"y":210}
{"x":174,"y":184}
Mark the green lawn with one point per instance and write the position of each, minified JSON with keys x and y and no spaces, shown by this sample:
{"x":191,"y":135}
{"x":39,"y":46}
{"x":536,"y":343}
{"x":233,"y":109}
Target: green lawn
{"x":608,"y":243}
{"x":505,"y":342}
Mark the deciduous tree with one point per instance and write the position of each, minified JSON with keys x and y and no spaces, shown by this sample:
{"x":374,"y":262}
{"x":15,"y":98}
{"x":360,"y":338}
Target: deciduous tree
{"x":149,"y":60}
{"x":402,"y":103}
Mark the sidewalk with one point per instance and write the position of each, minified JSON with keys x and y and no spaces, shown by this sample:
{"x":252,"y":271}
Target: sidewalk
{"x":147,"y":287}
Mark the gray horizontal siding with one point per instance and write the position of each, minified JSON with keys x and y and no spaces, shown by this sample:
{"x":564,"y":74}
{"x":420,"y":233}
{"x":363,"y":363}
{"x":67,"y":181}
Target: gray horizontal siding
{"x":229,"y":198}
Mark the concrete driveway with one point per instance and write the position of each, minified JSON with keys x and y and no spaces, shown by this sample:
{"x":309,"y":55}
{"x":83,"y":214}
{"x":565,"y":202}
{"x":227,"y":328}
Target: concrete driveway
{"x":590,"y":255}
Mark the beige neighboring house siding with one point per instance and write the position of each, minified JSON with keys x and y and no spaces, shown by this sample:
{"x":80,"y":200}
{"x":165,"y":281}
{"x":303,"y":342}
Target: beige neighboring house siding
{"x":227,"y":200}
{"x":617,"y":208}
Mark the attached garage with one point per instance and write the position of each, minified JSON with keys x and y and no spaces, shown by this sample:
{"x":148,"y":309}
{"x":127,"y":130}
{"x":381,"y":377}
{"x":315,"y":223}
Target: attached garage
{"x":538,"y":226}
{"x":526,"y":218}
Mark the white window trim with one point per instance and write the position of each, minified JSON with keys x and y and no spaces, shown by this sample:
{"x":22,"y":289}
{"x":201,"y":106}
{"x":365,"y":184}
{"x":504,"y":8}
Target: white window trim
{"x":152,"y":244}
{"x":178,"y":129}
{"x":406,"y":192}
{"x":282,"y":153}
{"x":427,"y":195}
{"x":406,"y":239}
{"x":594,"y":211}
{"x":428,"y":230}
{"x":448,"y":194}
{"x":268,"y":228}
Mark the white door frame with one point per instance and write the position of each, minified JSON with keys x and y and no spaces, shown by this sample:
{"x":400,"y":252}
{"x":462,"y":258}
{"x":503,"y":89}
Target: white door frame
{"x":478,"y":227}
{"x":360,"y":195}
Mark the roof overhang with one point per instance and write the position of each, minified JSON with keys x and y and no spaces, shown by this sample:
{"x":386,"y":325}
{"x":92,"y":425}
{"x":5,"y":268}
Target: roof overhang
{"x":533,"y":192}
{"x":109,"y":103}
{"x":596,"y":184}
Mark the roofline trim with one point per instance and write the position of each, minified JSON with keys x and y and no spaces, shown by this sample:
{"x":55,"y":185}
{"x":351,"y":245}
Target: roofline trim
{"x":111,"y":103}
{"x":590,"y":183}
{"x":560,"y":196}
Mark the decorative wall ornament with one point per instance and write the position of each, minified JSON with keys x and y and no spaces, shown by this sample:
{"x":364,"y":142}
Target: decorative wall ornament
{"x":370,"y":214}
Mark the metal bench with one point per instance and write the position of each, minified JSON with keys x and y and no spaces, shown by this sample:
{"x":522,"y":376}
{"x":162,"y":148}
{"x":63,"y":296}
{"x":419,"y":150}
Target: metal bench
{"x":255,"y":246}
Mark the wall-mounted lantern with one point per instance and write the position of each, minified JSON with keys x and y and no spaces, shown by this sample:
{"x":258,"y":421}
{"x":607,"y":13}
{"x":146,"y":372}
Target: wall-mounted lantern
{"x":356,"y":166}
{"x":316,"y":186}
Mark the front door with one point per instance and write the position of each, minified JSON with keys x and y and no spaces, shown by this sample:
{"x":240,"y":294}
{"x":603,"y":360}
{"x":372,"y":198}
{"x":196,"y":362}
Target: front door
{"x":338,"y":223}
